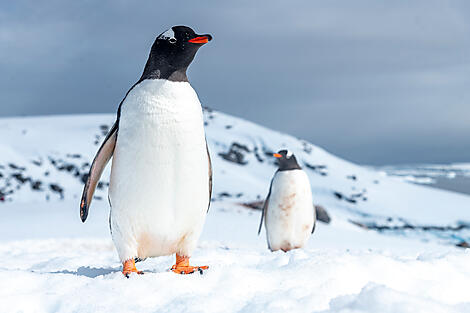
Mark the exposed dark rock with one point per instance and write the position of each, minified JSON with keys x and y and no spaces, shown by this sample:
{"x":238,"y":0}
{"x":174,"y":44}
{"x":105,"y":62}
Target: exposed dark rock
{"x":352,"y":177}
{"x":338,"y":195}
{"x":104,"y":129}
{"x":236,"y":153}
{"x":207,"y":109}
{"x":36,"y":185}
{"x":224,"y":195}
{"x":319,"y":169}
{"x":257,"y":155}
{"x":463,"y":244}
{"x":84,"y":178}
{"x":20,"y":178}
{"x":101,"y":185}
{"x":66,"y":167}
{"x":268,"y":152}
{"x":37,"y":162}
{"x":408,"y":226}
{"x":352,"y":198}
{"x":255,"y":205}
{"x":56,"y":188}
{"x":306,"y":147}
{"x":322,"y":214}
{"x":16,"y":167}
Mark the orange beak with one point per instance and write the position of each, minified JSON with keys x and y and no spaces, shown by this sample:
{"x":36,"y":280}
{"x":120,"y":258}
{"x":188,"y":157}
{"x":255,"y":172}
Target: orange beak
{"x":201,"y":39}
{"x":277,"y":155}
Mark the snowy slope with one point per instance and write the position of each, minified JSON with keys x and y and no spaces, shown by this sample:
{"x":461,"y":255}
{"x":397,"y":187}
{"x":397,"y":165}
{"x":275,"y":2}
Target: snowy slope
{"x":51,"y":262}
{"x":55,"y":152}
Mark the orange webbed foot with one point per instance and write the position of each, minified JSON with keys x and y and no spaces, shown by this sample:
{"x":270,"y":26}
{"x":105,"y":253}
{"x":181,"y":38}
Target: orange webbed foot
{"x":182,"y":266}
{"x":128,"y":267}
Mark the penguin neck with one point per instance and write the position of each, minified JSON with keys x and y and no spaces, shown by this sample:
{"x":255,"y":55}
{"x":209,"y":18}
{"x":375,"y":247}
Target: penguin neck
{"x":158,"y":68}
{"x":288,"y":165}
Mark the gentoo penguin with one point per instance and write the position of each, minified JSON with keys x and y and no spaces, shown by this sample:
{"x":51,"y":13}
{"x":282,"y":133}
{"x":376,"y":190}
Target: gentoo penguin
{"x":161,"y":177}
{"x":288,"y":212}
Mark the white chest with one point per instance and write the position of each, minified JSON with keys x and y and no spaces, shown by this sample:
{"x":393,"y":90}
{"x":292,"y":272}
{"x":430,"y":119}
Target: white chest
{"x":159,"y":178}
{"x":161,"y":108}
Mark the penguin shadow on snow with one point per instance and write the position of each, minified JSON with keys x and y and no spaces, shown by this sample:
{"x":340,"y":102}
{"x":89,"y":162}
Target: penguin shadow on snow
{"x":93,"y":272}
{"x":90,"y":272}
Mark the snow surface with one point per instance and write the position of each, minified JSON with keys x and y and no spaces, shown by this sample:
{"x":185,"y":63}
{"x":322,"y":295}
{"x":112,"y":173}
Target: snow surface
{"x":51,"y":262}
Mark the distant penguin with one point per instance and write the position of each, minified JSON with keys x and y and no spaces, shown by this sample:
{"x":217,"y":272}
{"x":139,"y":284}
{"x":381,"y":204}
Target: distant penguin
{"x":288,"y":211}
{"x":161,"y":176}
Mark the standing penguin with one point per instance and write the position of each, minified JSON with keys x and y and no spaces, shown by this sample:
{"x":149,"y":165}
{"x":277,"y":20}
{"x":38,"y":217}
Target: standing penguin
{"x":288,"y":212}
{"x":161,"y":177}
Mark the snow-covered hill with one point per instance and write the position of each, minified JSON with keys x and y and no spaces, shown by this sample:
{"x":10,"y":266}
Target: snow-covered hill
{"x":47,"y":158}
{"x":390,"y":245}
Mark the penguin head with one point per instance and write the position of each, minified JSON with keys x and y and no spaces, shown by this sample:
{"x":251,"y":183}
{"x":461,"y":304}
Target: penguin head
{"x":172,"y":53}
{"x":286,"y":160}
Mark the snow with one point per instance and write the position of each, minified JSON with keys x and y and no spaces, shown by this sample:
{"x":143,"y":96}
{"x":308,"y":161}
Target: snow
{"x":51,"y":262}
{"x":343,"y":269}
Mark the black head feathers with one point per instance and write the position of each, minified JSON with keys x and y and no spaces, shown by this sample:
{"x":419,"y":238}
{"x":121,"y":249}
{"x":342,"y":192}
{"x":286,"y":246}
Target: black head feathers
{"x":286,"y":160}
{"x":172,"y":53}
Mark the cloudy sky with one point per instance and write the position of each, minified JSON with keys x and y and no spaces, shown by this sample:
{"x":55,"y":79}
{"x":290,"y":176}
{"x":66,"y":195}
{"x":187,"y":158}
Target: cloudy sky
{"x":376,"y":82}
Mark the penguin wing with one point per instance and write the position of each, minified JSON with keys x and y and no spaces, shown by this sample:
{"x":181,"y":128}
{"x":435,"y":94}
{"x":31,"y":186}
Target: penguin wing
{"x":102,"y":158}
{"x":314,"y":221}
{"x":210,"y":176}
{"x":265,"y":207}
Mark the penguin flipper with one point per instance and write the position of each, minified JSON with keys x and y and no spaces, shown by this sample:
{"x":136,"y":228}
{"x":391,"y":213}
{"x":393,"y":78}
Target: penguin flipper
{"x":210,"y":176}
{"x":314,"y":224}
{"x":265,"y":207}
{"x":102,"y":158}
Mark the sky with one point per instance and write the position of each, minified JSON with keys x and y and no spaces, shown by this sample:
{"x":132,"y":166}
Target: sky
{"x":375,"y":82}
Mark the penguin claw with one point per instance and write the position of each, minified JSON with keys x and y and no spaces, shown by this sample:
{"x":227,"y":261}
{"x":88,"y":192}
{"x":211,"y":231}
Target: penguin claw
{"x":183,"y":270}
{"x":128,"y":267}
{"x":128,"y":274}
{"x":182,"y":266}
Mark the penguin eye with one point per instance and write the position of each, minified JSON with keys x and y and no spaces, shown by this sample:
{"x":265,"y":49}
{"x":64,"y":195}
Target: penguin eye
{"x":172,"y":40}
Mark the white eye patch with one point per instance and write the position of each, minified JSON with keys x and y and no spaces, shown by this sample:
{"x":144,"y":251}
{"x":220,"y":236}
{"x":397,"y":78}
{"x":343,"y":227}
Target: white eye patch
{"x":168,"y":35}
{"x":289,"y":154}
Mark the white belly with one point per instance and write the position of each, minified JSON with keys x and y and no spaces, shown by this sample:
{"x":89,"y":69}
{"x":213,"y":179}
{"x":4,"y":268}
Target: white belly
{"x":290,"y":213}
{"x":159,"y":188}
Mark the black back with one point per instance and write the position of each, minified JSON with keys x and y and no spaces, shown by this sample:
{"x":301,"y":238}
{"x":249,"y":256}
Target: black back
{"x":287,"y":161}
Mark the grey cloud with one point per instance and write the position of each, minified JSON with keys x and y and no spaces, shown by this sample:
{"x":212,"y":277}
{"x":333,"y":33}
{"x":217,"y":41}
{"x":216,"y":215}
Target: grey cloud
{"x":373,"y":81}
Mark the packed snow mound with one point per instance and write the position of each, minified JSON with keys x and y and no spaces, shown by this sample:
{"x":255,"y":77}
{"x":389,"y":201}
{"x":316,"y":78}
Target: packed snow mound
{"x":73,"y":267}
{"x":47,"y":158}
{"x":84,"y":276}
